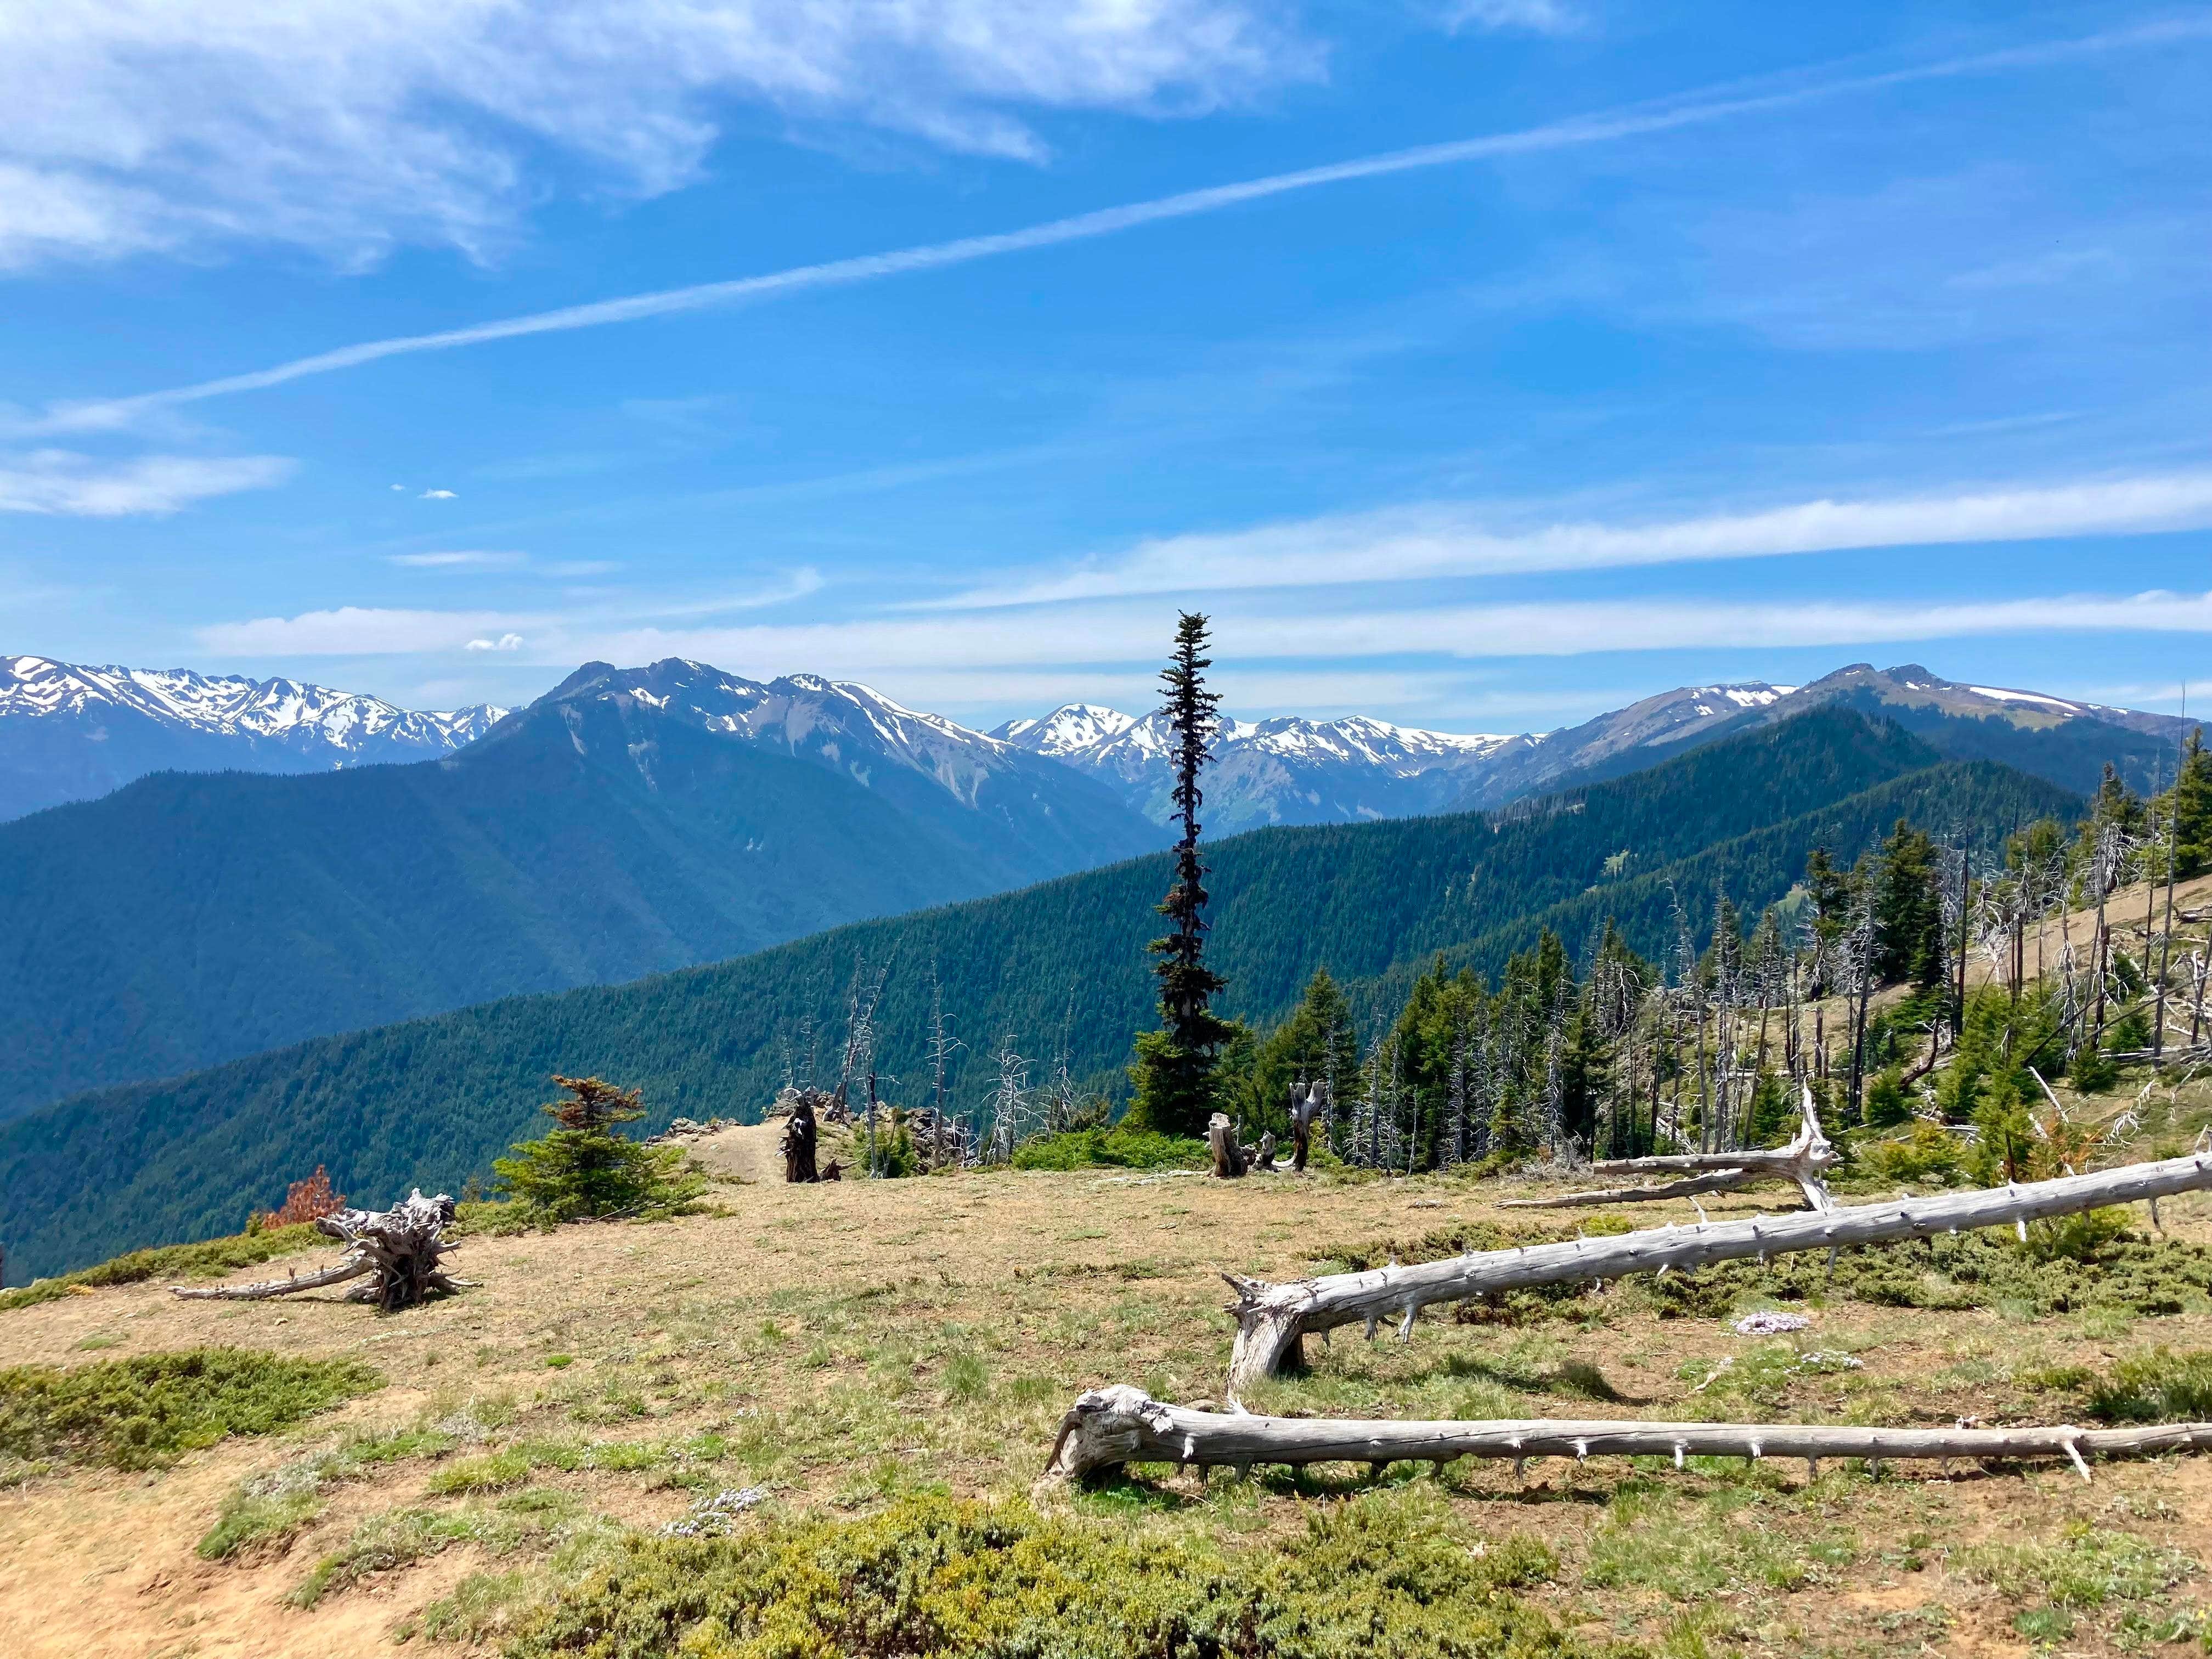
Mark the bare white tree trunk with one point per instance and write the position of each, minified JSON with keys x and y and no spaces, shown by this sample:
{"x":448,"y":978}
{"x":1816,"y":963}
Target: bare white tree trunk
{"x":1110,"y":1427}
{"x":1272,"y":1320}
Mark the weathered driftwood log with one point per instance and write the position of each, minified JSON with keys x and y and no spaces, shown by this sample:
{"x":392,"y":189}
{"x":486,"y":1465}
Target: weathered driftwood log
{"x":1272,"y":1320}
{"x":1228,"y":1155}
{"x":1110,"y":1427}
{"x":1806,"y":1160}
{"x":397,"y":1250}
{"x":1305,"y":1108}
{"x":1720,"y":1180}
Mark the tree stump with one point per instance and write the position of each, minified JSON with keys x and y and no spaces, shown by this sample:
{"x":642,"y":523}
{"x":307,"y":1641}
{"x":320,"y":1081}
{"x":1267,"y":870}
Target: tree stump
{"x":1228,"y":1156}
{"x":398,"y":1251}
{"x":800,"y":1137}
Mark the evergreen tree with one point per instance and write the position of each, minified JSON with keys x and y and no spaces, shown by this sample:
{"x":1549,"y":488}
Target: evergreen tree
{"x":1829,"y":890}
{"x":1908,"y":909}
{"x":1173,"y":1073}
{"x":2190,"y":808}
{"x":1316,"y":1044}
{"x":584,"y":1168}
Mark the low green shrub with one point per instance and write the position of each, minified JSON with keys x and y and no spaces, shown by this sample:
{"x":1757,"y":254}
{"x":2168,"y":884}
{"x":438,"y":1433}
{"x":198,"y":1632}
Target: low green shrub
{"x":210,"y":1258}
{"x":2087,"y":1568}
{"x":1109,"y":1149}
{"x":1926,"y":1152}
{"x":1376,"y":1576}
{"x":247,"y":1517}
{"x":140,"y":1413}
{"x":2158,"y":1387}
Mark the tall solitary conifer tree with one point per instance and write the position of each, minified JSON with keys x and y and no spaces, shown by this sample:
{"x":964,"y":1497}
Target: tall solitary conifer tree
{"x":1174,"y":1072}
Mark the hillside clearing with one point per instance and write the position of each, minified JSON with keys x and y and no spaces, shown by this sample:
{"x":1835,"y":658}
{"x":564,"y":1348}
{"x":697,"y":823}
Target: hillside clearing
{"x":845,"y":1344}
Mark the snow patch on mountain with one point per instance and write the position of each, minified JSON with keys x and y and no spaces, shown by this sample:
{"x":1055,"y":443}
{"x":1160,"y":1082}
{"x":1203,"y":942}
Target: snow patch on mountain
{"x":301,"y":714}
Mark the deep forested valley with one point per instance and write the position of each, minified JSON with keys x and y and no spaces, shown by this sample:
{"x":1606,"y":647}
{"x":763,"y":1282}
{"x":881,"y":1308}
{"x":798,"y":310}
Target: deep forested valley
{"x":1056,"y":972}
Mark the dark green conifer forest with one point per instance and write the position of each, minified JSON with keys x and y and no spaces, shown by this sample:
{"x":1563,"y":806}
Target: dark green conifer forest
{"x":1564,"y":891}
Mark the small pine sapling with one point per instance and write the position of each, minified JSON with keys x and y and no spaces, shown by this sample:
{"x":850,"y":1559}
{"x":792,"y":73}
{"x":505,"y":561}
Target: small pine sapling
{"x":584,"y":1168}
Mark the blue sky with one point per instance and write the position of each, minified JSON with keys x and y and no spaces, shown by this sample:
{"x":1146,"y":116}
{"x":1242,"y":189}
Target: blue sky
{"x":1477,"y":363}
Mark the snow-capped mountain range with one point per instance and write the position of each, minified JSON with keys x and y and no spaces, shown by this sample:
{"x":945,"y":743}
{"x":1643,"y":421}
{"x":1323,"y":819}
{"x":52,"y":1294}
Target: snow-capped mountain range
{"x":72,"y":732}
{"x":1297,"y":771}
{"x":1285,"y":770}
{"x":912,"y":757}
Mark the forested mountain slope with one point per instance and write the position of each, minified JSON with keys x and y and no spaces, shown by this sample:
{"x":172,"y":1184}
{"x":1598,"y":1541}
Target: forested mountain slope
{"x":432,"y":1100}
{"x":595,"y":837}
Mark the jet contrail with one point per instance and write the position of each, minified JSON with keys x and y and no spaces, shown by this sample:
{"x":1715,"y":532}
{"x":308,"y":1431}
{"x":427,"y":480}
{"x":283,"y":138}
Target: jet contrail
{"x":1696,"y":109}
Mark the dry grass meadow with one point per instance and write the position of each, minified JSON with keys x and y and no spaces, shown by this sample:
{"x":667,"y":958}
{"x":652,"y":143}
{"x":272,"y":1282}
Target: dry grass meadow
{"x":842,"y":1344}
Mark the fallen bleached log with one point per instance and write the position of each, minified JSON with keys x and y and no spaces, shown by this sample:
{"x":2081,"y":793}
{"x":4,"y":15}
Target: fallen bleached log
{"x":1272,"y":1320}
{"x":1110,"y":1427}
{"x":1720,"y":1180}
{"x":401,"y":1246}
{"x":1806,"y":1160}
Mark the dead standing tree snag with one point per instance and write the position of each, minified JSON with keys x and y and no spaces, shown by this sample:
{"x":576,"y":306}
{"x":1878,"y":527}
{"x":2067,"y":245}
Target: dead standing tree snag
{"x":1806,"y":1160}
{"x":1228,"y":1154}
{"x":1307,"y":1105}
{"x":1273,"y":1320}
{"x":800,"y":1137}
{"x":1110,"y":1427}
{"x":401,"y":1248}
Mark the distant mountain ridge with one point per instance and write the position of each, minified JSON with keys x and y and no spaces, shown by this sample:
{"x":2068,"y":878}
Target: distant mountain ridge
{"x":2063,"y":741}
{"x":629,"y":822}
{"x":1299,"y":771}
{"x":1285,"y":770}
{"x":73,"y":732}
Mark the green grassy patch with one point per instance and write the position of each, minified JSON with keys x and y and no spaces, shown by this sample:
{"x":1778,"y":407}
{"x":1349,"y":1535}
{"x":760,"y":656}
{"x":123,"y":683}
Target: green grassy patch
{"x":2087,"y":1568}
{"x":1109,"y":1149}
{"x":1383,"y":1575}
{"x":143,"y":1413}
{"x":209,"y":1259}
{"x":2158,"y":1387}
{"x":248,"y":1517}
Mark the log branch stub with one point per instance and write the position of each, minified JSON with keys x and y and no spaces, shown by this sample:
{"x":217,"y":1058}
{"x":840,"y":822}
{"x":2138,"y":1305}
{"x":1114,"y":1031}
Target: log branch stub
{"x":1270,"y":1318}
{"x":1110,"y":1427}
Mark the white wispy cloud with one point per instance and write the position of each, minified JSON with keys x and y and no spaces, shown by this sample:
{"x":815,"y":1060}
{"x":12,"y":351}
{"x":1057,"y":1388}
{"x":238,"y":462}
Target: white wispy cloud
{"x":1445,"y":540}
{"x":1534,"y":16}
{"x":437,"y":495}
{"x":461,"y":559}
{"x":357,"y":630}
{"x":1611,"y":126}
{"x":352,"y":126}
{"x":62,"y":482}
{"x":552,"y":635}
{"x":1095,"y":636}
